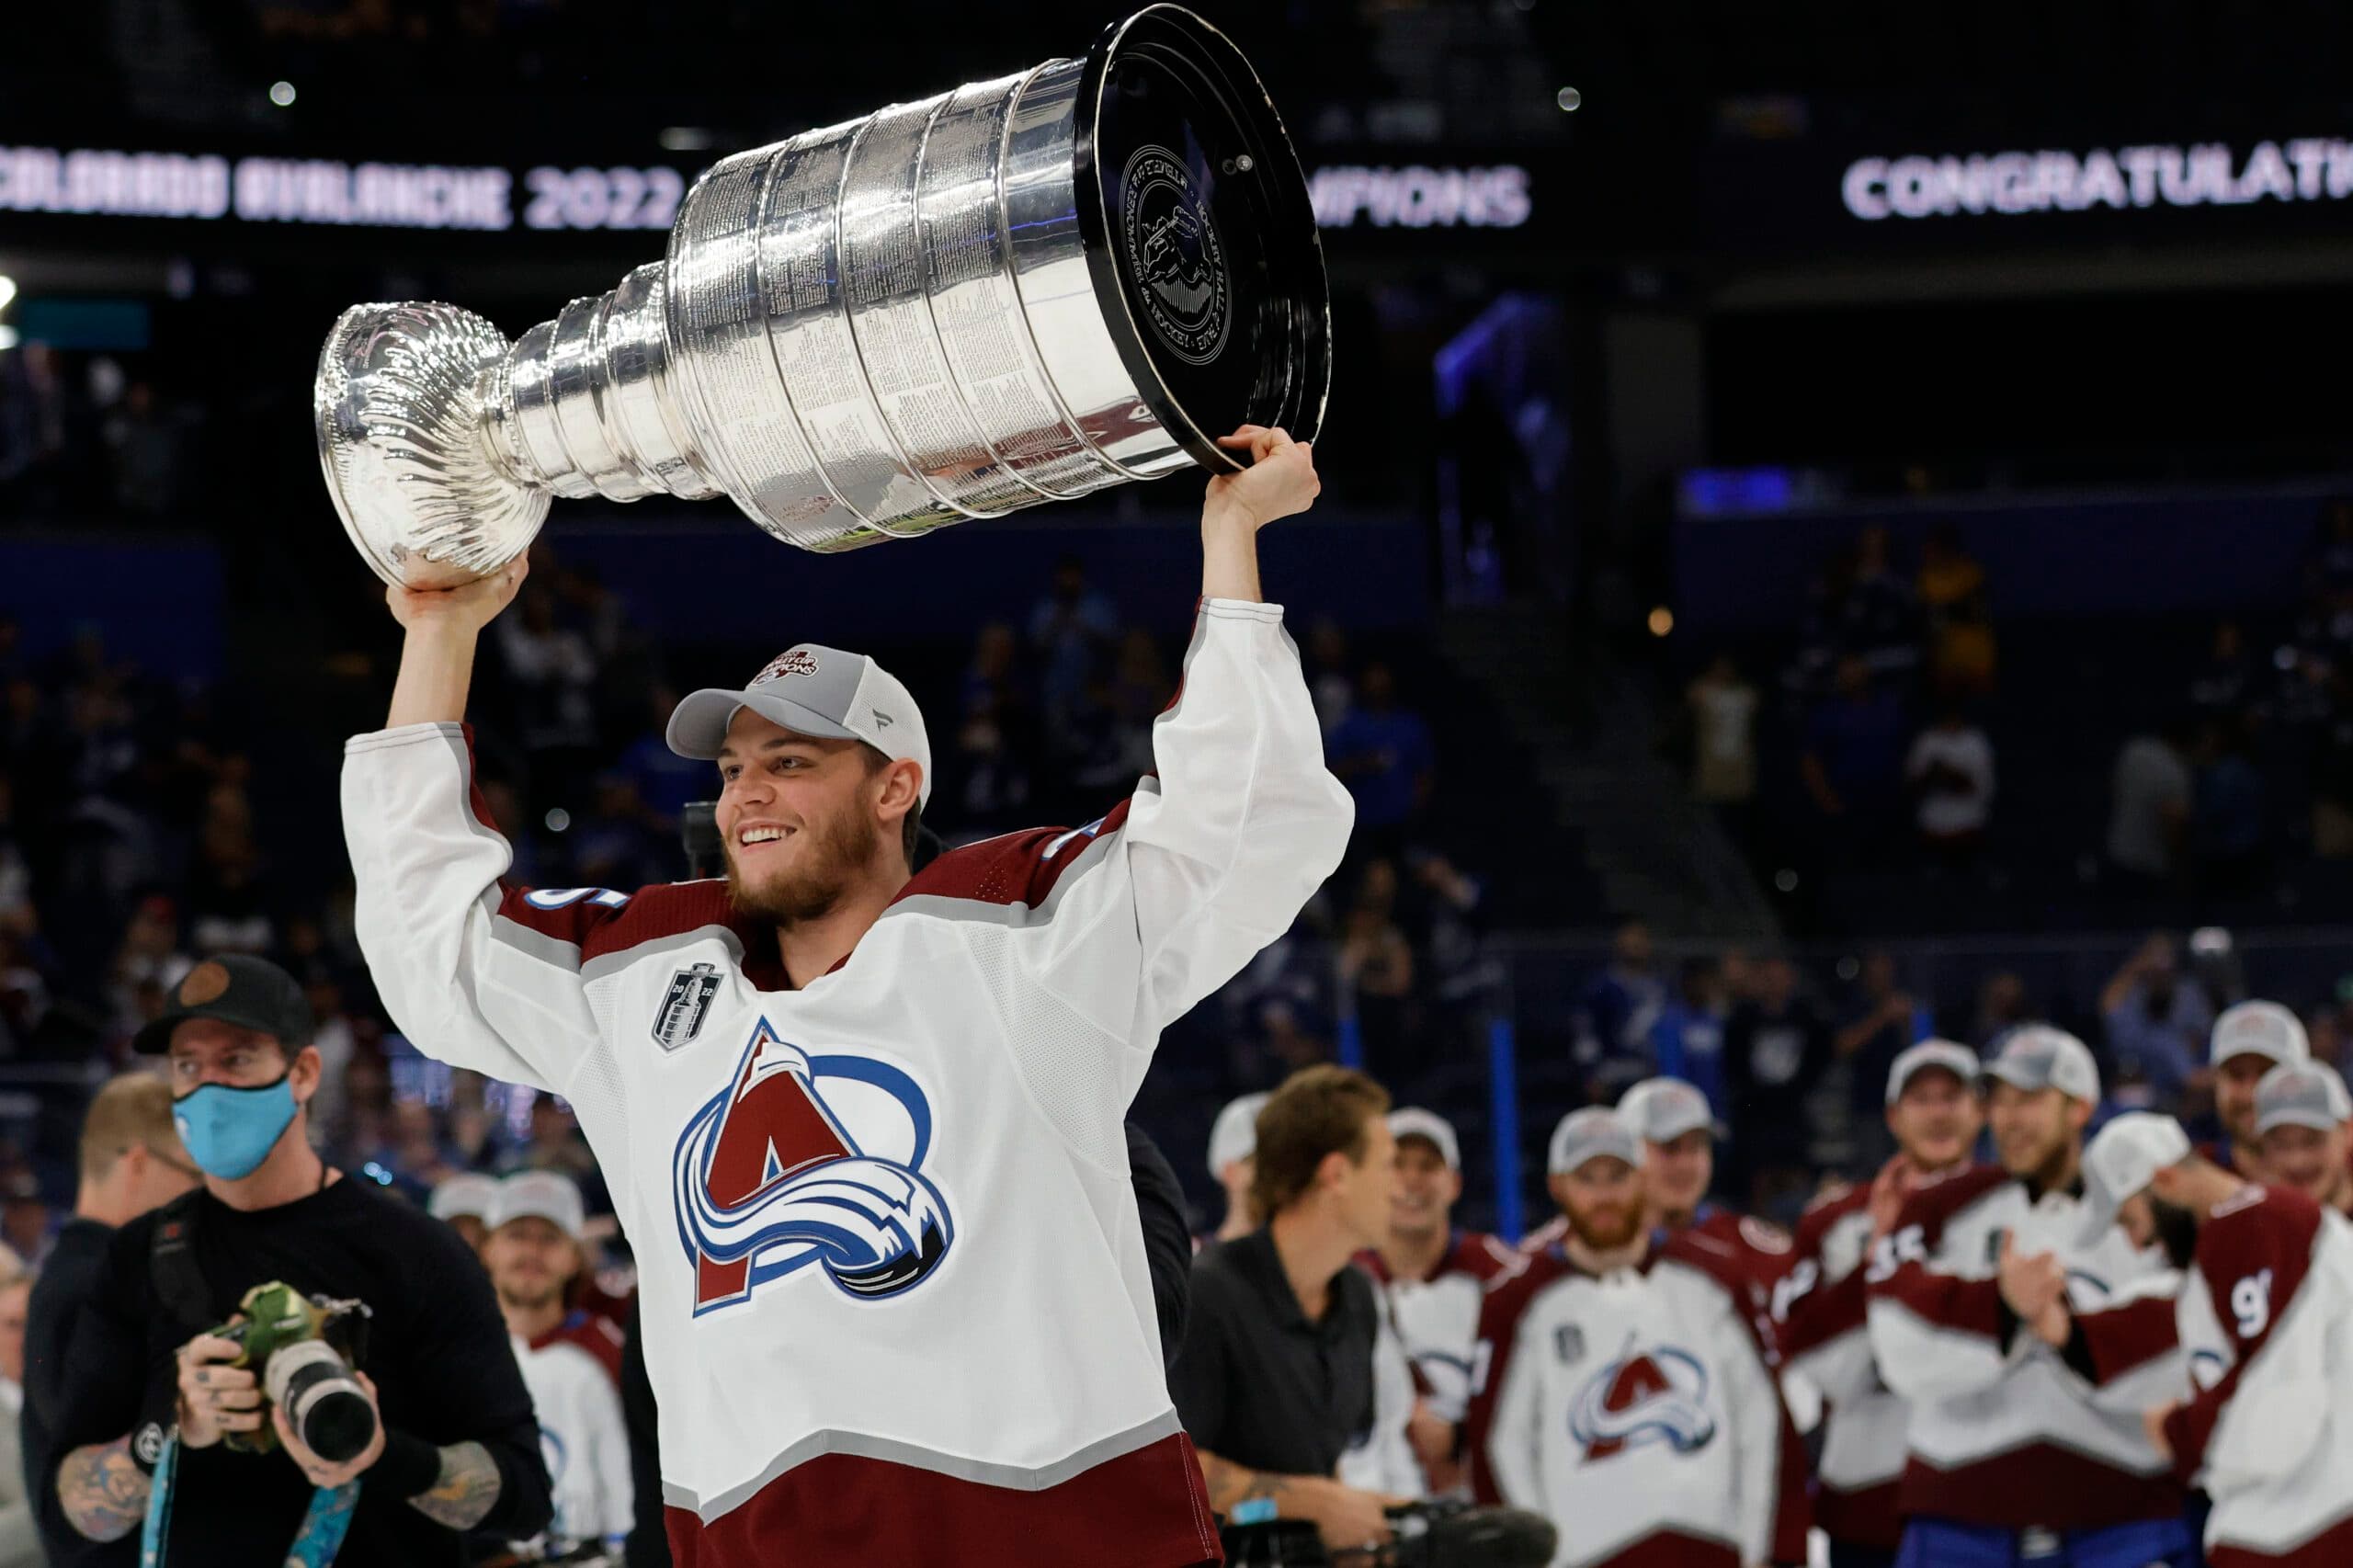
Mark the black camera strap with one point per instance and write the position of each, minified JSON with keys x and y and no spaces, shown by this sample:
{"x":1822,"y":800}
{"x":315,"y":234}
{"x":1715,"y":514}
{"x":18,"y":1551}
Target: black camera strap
{"x":172,"y":1266}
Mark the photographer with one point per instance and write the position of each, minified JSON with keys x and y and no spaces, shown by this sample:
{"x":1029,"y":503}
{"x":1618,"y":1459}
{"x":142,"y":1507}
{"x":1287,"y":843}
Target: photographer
{"x":452,"y":1443}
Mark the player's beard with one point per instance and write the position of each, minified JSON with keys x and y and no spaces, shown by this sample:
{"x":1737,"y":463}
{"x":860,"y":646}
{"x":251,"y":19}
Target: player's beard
{"x":532,"y":1301}
{"x":1611,"y":1234}
{"x":813,"y":885}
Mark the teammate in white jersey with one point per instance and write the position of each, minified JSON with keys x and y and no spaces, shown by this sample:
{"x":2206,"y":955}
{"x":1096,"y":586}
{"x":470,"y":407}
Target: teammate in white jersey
{"x":2305,"y":1119}
{"x":1626,"y":1394}
{"x":2266,"y":1316}
{"x":863,"y":1127}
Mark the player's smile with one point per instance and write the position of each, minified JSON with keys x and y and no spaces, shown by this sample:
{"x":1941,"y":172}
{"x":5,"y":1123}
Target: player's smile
{"x":752,"y":837}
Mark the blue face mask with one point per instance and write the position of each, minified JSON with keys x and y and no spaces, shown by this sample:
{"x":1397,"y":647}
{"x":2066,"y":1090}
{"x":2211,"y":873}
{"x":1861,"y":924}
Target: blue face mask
{"x":231,"y":1132}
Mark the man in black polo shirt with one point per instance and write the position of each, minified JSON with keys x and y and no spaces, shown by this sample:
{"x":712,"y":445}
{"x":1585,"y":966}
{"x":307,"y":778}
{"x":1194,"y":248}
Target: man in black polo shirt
{"x":1274,"y":1379}
{"x":147,"y":1392}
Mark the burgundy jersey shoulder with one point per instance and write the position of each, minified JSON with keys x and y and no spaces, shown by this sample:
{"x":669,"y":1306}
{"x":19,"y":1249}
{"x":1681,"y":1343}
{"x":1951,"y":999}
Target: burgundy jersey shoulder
{"x":1014,"y":868}
{"x":1764,"y":1250}
{"x":1822,"y":1215}
{"x":1372,"y":1263}
{"x":2259,"y":1227}
{"x":1935,"y":1203}
{"x":1725,"y":1262}
{"x":599,"y":1337}
{"x":1482,"y":1256}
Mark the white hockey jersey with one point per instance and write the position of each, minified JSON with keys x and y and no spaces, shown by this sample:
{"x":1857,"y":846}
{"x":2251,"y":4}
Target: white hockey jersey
{"x":2266,"y":1317}
{"x":1437,"y":1318}
{"x":583,"y":1438}
{"x":1638,"y":1412}
{"x":1383,"y":1460}
{"x":894,"y":1293}
{"x":1820,"y":1309}
{"x":2004,"y":1432}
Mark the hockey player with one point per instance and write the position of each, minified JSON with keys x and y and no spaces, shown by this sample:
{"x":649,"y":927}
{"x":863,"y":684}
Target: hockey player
{"x":1934,"y":1114}
{"x":1233,"y":1138}
{"x":1433,"y":1279}
{"x":2016,"y":1458}
{"x":2265,"y":1315}
{"x":1626,"y":1395}
{"x":861,"y":1125}
{"x":2305,"y":1119}
{"x":2249,"y":1040}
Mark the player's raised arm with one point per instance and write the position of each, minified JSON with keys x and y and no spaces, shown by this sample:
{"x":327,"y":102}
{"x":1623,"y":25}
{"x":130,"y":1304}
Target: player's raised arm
{"x":477,"y":974}
{"x":1165,"y":899}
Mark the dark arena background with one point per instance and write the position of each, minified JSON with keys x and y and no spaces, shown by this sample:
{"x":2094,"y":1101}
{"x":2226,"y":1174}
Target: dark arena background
{"x":1836,"y":528}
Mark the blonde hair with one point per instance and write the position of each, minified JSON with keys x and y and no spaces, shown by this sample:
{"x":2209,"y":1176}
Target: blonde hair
{"x":127,"y":1112}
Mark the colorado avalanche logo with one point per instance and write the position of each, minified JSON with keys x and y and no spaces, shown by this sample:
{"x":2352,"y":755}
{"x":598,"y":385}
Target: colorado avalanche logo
{"x":808,"y":1159}
{"x":1658,"y":1397}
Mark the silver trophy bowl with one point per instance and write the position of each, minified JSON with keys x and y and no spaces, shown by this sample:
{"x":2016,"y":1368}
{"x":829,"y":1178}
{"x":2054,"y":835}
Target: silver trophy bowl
{"x":1022,"y":290}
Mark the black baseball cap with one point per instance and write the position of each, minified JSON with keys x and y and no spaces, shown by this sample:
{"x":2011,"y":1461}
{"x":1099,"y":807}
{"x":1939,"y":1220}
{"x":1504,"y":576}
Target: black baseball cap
{"x":236,"y":989}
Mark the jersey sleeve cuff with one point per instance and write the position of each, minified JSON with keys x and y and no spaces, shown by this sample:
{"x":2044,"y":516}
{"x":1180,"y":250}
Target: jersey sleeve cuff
{"x":409,"y":1467}
{"x":406,"y":734}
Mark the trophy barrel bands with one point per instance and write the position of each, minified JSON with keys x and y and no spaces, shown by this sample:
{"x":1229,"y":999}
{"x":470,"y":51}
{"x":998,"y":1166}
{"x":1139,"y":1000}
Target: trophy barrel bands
{"x":401,"y":441}
{"x":1025,"y":289}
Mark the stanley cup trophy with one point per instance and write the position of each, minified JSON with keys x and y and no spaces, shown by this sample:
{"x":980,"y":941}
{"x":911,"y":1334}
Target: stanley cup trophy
{"x":1024,"y":289}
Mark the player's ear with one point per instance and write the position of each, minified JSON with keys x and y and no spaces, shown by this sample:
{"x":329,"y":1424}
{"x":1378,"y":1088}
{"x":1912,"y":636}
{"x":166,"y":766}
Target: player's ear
{"x":302,"y":1073}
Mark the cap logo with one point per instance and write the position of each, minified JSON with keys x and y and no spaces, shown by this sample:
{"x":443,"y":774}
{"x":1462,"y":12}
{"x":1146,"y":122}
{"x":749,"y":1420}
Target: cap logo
{"x":799,"y":661}
{"x":203,"y":983}
{"x":882,"y":720}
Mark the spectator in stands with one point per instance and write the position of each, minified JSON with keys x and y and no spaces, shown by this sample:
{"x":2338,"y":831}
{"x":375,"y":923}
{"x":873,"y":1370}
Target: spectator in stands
{"x":2226,"y":815}
{"x":1688,"y":1038}
{"x":1382,"y":753}
{"x":665,"y":780}
{"x":1376,"y":965}
{"x":2001,"y":1005}
{"x":618,"y":843}
{"x":1853,"y":763}
{"x":2224,"y":683}
{"x":1882,"y":1021}
{"x":1072,"y":630}
{"x":2149,"y":810}
{"x":2157,"y":1020}
{"x":552,"y":673}
{"x":1950,"y":772}
{"x":1961,"y":629}
{"x":995,"y":737}
{"x":1449,"y":929}
{"x":1327,"y":674}
{"x":571,"y":1361}
{"x":1723,"y":714}
{"x":1615,"y":1014}
{"x":1777,"y":1048}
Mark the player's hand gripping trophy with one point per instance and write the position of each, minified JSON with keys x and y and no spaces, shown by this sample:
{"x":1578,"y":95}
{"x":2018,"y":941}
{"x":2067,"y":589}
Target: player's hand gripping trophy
{"x":1021,"y":290}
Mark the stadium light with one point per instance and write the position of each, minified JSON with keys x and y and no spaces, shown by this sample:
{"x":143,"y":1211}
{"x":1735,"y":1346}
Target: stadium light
{"x":1568,"y":98}
{"x":8,"y":289}
{"x":7,"y":338}
{"x":282,"y":94}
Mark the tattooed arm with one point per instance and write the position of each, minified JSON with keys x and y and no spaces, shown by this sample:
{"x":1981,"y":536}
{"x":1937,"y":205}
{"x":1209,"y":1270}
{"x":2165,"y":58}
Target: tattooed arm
{"x":1346,"y":1516}
{"x":463,"y":1495}
{"x":104,"y":1491}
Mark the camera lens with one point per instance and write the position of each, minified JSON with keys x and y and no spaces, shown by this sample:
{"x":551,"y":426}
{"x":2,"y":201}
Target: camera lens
{"x":323,"y":1402}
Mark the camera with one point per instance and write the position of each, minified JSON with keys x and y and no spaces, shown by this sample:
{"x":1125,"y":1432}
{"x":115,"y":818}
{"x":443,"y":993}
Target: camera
{"x":301,"y":1349}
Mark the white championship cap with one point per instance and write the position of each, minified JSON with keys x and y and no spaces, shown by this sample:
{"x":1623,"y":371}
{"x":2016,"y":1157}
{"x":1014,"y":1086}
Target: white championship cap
{"x":2039,"y":1057}
{"x":1660,"y":1111}
{"x":2259,"y":1029}
{"x":1590,"y":1134}
{"x":2302,"y":1094}
{"x":1954,"y":1058}
{"x":814,"y":691}
{"x":468,"y":1192}
{"x":1234,"y":1135}
{"x":1413,"y":1121}
{"x":541,"y":1195}
{"x":2121,"y":1160}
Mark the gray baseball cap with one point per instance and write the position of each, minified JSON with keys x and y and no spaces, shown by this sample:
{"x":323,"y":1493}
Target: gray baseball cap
{"x":2121,"y":1160}
{"x":1660,"y":1111}
{"x":2259,"y":1029}
{"x":1234,"y":1135}
{"x":2039,"y":1057}
{"x":814,"y":691}
{"x":1590,"y":1134}
{"x":1955,"y":1059}
{"x":2302,"y":1094}
{"x":1413,"y":1121}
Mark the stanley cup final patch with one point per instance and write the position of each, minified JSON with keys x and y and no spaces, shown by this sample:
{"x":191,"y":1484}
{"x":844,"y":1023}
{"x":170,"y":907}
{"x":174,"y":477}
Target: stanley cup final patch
{"x":685,"y":1006}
